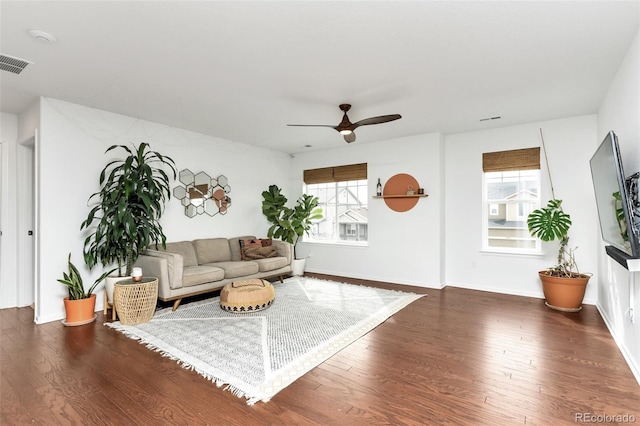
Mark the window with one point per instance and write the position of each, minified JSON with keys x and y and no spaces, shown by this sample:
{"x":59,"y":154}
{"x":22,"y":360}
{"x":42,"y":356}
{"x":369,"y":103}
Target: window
{"x":342,"y":192}
{"x":511,"y":190}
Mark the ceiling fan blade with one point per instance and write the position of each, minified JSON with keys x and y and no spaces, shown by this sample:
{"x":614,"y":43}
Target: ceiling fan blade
{"x":312,"y":125}
{"x":376,"y":120}
{"x":351,"y":137}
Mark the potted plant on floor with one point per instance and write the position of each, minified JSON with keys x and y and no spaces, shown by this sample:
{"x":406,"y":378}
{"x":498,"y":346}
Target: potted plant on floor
{"x":289,"y":224}
{"x":80,"y":305}
{"x":125,"y":218}
{"x":563,"y":285}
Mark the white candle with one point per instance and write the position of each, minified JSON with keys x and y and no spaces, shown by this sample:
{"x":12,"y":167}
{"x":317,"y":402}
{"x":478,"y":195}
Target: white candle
{"x":136,"y":274}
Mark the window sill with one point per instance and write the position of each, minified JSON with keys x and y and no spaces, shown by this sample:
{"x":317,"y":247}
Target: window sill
{"x":356,"y":244}
{"x":512,"y":252}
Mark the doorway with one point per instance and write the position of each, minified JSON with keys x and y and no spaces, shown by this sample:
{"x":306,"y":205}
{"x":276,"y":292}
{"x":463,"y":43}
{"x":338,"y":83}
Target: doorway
{"x":26,"y":203}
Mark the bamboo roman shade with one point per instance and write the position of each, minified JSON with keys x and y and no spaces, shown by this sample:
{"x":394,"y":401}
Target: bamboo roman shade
{"x":336,"y":174}
{"x":517,"y":159}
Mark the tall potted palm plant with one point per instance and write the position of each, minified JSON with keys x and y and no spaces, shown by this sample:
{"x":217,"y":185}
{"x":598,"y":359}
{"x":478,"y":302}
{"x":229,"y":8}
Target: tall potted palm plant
{"x":289,"y":224}
{"x":125,"y":216}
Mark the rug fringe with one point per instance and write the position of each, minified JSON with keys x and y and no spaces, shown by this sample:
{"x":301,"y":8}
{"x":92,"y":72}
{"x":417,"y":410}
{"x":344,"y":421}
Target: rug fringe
{"x":250,"y":400}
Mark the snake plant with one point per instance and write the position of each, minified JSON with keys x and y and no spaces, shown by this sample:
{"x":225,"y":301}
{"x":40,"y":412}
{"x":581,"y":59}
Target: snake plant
{"x":73,"y":280}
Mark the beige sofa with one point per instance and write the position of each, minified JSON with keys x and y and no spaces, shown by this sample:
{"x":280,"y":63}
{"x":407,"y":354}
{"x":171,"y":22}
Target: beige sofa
{"x":188,"y":268}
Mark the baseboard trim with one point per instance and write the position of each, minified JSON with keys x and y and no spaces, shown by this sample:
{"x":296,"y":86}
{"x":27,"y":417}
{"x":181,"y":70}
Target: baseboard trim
{"x":626,"y":354}
{"x":533,"y":294}
{"x":390,"y":280}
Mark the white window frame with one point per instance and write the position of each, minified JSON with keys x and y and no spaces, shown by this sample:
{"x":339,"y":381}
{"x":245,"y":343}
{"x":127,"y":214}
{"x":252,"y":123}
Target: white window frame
{"x":336,"y":231}
{"x":488,"y":204}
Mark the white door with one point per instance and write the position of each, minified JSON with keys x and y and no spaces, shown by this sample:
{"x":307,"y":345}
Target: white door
{"x":26,"y":246}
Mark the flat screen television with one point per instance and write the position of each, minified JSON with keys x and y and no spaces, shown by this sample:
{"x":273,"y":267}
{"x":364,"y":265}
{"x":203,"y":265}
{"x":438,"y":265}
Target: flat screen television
{"x":618,"y":222}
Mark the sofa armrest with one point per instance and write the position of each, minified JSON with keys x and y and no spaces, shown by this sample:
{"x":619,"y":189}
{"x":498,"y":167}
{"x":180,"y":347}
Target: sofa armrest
{"x":172,"y":270}
{"x":155,"y":267}
{"x":284,"y":249}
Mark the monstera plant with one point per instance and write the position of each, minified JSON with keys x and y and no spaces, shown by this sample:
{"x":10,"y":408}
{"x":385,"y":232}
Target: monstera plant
{"x":562,"y":284}
{"x":552,"y":223}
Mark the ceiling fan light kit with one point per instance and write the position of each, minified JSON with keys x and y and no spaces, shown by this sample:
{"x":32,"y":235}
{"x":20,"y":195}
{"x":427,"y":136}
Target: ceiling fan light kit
{"x":346,"y":128}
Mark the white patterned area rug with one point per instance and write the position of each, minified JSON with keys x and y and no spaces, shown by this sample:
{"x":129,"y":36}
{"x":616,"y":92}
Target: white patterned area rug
{"x":258,"y":354}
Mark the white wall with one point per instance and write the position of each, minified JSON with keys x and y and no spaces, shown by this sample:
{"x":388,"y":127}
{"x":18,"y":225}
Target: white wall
{"x":620,"y":112}
{"x":570,"y":143}
{"x":72,"y":143}
{"x":16,"y":270}
{"x":403,"y":248}
{"x":8,"y":212}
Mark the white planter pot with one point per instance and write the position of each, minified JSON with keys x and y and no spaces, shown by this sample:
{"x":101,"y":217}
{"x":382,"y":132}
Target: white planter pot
{"x":109,"y":285}
{"x":297,"y":267}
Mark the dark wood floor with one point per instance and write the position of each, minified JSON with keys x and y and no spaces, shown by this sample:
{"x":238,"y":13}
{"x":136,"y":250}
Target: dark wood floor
{"x":457,"y":357}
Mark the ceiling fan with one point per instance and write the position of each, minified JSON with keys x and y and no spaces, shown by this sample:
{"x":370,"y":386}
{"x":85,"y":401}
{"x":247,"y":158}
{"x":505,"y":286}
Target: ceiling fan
{"x":346,"y":127}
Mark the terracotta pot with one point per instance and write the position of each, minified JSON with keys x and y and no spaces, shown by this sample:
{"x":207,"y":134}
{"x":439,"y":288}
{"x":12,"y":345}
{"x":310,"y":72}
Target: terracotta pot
{"x":564,"y":294}
{"x":81,"y":311}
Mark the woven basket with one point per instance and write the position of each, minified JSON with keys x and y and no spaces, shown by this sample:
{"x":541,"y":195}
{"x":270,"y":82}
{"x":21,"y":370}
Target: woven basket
{"x":135,"y":303}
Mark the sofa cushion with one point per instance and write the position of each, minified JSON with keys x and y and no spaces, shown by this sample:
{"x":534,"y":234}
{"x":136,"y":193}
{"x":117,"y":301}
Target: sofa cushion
{"x":184,"y":248}
{"x":257,"y":249}
{"x":211,"y":250}
{"x":194,"y":275}
{"x":271,"y":263}
{"x":234,"y":269}
{"x":234,"y":246}
{"x":261,"y":252}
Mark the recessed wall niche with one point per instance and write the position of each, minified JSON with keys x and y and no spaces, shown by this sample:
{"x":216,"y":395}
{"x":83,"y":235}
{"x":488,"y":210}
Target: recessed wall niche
{"x":203,"y":194}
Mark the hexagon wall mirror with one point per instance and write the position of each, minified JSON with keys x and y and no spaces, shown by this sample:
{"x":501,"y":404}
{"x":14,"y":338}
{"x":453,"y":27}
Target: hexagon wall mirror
{"x":202,"y":193}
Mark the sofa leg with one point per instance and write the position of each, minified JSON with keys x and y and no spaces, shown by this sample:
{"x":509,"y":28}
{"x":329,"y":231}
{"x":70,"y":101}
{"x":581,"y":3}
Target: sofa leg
{"x":281,"y":279}
{"x":176,"y":304}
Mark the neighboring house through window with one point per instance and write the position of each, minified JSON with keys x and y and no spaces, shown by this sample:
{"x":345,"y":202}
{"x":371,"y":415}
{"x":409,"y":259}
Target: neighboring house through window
{"x":342,"y":193}
{"x":511,"y":190}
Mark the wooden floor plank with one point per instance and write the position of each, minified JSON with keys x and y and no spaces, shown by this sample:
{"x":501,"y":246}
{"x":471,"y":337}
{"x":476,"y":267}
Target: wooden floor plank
{"x":454,"y":357}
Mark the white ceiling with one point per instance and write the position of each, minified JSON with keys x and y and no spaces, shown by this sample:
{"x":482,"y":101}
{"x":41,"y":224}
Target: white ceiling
{"x":243,"y":70}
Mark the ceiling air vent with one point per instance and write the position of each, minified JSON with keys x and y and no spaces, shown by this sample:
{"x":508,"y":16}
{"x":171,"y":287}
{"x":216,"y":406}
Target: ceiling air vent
{"x":12,"y":64}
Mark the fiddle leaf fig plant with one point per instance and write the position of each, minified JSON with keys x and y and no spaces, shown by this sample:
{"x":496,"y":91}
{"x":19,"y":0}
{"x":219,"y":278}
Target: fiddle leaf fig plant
{"x":125,"y":218}
{"x":289,"y":224}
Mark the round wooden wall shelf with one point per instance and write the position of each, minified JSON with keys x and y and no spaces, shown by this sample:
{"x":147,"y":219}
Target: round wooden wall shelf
{"x":395,"y":192}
